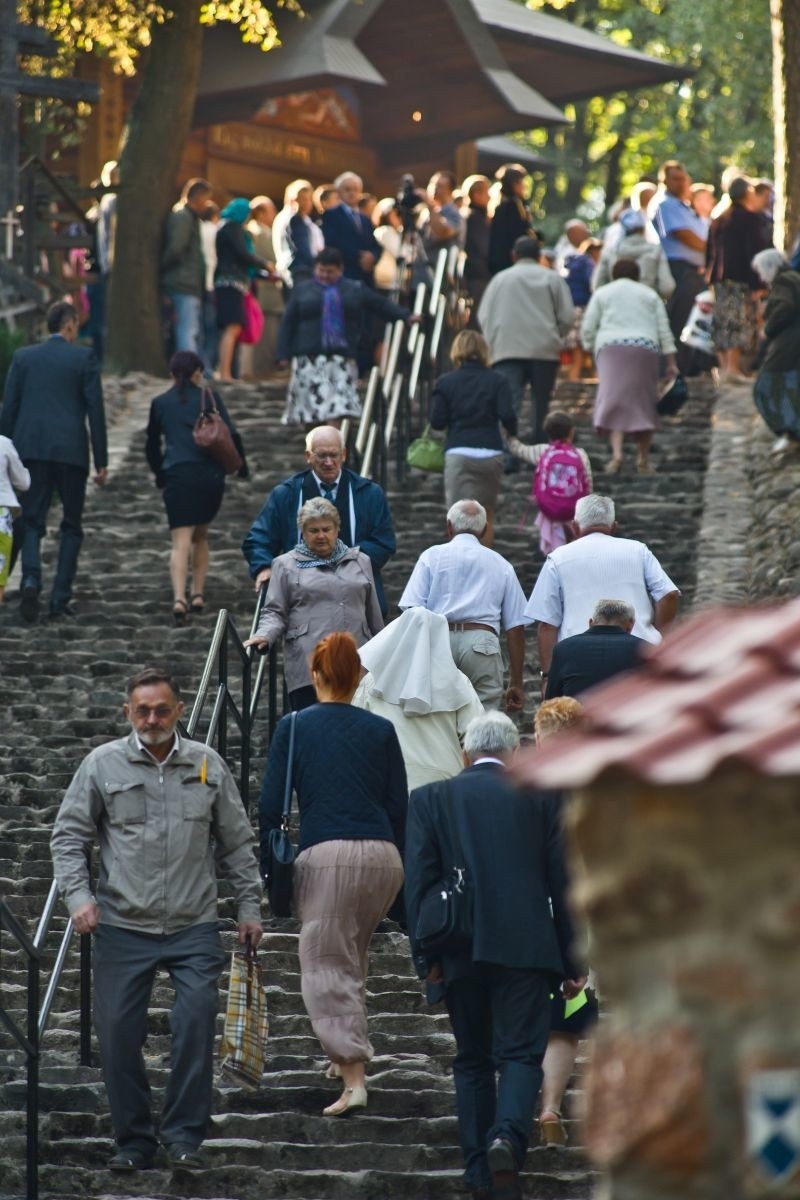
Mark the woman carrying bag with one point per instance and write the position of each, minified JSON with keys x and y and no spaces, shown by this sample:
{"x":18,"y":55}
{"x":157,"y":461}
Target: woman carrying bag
{"x":347,"y":771}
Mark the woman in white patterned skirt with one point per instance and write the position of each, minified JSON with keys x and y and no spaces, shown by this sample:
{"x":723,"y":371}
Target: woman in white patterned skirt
{"x":319,"y":333}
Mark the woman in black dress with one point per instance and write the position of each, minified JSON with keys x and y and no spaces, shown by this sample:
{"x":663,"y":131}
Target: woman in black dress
{"x":511,"y":218}
{"x":193,"y":483}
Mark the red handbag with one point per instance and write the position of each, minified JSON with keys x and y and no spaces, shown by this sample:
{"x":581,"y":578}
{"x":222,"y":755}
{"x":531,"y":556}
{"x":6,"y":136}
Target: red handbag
{"x":253,"y":321}
{"x":214,"y":437}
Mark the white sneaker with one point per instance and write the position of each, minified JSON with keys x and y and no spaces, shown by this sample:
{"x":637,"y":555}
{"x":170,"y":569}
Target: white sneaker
{"x":783,"y":443}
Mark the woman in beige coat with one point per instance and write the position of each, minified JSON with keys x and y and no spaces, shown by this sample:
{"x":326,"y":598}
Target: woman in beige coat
{"x":319,"y":587}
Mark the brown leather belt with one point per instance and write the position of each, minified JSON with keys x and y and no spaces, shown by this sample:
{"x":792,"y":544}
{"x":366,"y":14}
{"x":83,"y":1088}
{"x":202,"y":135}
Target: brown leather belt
{"x":460,"y":626}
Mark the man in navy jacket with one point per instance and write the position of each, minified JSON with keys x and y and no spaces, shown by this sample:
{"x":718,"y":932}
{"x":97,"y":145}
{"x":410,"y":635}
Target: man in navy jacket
{"x":498,"y":991}
{"x":51,"y":391}
{"x":606,"y":649}
{"x":365,"y":518}
{"x":351,"y":232}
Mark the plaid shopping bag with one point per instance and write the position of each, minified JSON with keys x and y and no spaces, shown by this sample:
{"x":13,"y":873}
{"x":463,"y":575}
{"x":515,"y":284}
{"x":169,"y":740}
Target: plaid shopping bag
{"x":244,"y":1038}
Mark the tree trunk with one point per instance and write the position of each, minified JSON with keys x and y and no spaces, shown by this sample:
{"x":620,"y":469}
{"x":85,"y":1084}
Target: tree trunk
{"x":786,"y":93}
{"x":158,"y":126}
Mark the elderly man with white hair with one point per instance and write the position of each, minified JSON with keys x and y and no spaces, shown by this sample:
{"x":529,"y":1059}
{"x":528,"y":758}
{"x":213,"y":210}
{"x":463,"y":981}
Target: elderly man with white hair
{"x":479,"y":594}
{"x":364,"y":513}
{"x":606,"y":649}
{"x":344,"y":227}
{"x":598,"y":564}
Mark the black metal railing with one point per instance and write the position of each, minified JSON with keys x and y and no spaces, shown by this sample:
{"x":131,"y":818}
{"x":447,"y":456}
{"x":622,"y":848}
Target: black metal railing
{"x":29,"y":1043}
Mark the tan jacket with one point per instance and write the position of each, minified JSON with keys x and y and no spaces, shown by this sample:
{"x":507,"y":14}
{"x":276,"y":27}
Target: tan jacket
{"x":163,"y":834}
{"x":305,"y":604}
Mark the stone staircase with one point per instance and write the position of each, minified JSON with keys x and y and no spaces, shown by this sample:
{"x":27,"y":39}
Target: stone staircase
{"x":61,"y":686}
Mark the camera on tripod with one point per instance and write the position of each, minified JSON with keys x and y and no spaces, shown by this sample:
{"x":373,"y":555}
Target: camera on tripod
{"x":408,"y":203}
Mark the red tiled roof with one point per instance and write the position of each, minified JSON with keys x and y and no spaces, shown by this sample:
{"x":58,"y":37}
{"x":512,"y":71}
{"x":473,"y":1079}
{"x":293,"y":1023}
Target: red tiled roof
{"x":722,"y":688}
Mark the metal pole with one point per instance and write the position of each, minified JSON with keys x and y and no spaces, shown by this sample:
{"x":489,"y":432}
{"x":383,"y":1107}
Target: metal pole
{"x":9,"y":115}
{"x":32,"y":1138}
{"x":222,"y":735}
{"x":247,"y":730}
{"x":86,"y":1000}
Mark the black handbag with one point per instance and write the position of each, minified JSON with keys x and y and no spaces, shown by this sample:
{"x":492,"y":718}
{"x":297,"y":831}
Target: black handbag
{"x":674,"y":398}
{"x":445,"y":922}
{"x":280,"y":851}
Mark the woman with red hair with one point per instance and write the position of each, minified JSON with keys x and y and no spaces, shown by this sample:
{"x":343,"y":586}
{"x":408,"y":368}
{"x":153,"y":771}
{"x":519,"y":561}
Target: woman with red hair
{"x":347,"y":771}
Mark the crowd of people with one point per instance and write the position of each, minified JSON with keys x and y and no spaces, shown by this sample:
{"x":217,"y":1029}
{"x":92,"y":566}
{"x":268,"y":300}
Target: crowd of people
{"x":386,"y":709}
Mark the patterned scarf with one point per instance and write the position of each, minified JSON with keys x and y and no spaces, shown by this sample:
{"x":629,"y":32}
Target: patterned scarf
{"x":333,"y":328}
{"x":307,"y":558}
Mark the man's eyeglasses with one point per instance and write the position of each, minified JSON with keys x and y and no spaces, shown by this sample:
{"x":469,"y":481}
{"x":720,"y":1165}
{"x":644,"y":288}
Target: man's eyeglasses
{"x":162,"y":711}
{"x":333,"y":457}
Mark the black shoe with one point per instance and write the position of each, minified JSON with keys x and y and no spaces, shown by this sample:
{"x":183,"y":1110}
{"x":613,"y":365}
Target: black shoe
{"x":29,"y":603}
{"x":481,"y":1194}
{"x":185,"y":1158}
{"x":130,"y":1160}
{"x":500,"y":1156}
{"x":67,"y":610}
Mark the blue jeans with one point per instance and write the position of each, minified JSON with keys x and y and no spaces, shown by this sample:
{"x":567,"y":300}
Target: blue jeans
{"x":501,"y":1021}
{"x":541,"y":374}
{"x":70,"y":483}
{"x":188,"y":321}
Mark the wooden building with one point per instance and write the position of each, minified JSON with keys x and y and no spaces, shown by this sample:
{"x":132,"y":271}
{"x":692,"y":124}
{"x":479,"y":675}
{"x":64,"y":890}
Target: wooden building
{"x":381,"y":88}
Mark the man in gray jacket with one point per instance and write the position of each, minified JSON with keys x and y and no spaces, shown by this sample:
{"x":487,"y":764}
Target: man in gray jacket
{"x":166,"y":814}
{"x":525,"y":314}
{"x":183,"y":266}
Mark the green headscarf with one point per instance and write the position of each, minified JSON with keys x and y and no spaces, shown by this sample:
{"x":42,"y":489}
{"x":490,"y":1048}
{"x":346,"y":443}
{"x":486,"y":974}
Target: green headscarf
{"x":236,"y":210}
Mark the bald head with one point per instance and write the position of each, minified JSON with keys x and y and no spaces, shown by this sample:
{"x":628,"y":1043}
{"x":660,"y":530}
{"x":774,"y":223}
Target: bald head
{"x":325,"y":452}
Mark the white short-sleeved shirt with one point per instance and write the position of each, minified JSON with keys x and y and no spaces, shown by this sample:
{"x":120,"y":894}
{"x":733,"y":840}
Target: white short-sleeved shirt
{"x":598,"y":567}
{"x":465,"y":581}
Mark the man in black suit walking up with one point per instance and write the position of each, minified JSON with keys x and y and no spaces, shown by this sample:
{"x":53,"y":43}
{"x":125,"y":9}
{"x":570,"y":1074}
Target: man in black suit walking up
{"x":497,"y":993}
{"x":606,"y":649}
{"x":51,"y":391}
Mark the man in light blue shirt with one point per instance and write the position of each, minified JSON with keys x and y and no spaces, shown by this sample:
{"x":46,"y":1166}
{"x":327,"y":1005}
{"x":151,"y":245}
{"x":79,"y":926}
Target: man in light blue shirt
{"x":479,"y":593}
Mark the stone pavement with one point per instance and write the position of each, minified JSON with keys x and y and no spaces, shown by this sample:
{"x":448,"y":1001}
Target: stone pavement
{"x":61,"y":686}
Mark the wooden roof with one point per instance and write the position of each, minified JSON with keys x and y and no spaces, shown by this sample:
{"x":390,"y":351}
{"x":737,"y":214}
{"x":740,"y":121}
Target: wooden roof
{"x":470,"y":67}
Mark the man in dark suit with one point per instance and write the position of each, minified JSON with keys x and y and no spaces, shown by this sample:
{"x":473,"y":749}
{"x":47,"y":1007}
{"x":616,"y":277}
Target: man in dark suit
{"x":351,"y":232}
{"x":606,"y":648}
{"x":366,"y":521}
{"x":51,"y":391}
{"x":498,"y":992}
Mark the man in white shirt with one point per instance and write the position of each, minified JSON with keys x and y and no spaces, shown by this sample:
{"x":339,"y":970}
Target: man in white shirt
{"x":597,"y":565}
{"x":479,"y":593}
{"x":525,"y":314}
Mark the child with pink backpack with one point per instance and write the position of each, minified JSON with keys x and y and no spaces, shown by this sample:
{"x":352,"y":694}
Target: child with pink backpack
{"x":563,"y":475}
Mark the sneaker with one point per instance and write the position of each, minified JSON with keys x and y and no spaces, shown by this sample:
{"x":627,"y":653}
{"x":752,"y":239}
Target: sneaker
{"x":186,"y":1158}
{"x":29,"y":603}
{"x":130,"y":1160}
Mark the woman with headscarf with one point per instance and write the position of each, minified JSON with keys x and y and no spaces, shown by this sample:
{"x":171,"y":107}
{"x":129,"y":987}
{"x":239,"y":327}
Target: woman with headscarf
{"x":193,"y":482}
{"x":512,"y":217}
{"x":237,"y":263}
{"x":777,"y":388}
{"x":319,"y":333}
{"x":413,"y":682}
{"x":633,"y":243}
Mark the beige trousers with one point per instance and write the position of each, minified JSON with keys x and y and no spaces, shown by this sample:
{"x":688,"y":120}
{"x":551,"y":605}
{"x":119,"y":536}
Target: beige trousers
{"x":342,"y":890}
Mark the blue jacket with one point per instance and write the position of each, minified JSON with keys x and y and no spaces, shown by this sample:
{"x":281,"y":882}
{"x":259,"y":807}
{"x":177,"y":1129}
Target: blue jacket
{"x":351,"y":237}
{"x":52,"y":390}
{"x":274,"y":530}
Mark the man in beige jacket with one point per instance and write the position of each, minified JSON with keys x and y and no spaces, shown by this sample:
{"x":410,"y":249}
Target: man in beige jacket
{"x":166,"y":815}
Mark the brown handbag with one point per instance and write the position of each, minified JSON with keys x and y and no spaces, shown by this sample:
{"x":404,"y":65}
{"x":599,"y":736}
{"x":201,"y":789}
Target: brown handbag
{"x":214,"y":437}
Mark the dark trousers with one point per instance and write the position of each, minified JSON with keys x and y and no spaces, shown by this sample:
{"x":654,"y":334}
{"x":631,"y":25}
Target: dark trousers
{"x":501,"y":1021}
{"x":540,"y":374}
{"x":70,"y":484}
{"x":688,"y":284}
{"x":125,"y":964}
{"x":302,"y":697}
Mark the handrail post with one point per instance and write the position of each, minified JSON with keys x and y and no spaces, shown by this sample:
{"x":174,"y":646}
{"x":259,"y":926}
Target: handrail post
{"x":247,"y":729}
{"x":32,"y":1105}
{"x":86,"y":1000}
{"x":222,"y":735}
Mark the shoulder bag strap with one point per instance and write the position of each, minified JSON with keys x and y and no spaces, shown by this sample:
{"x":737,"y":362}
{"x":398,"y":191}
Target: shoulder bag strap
{"x":206,"y":392}
{"x":287,"y":791}
{"x":451,"y":819}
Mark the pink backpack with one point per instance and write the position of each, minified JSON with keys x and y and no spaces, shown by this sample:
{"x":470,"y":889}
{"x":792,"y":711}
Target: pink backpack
{"x":559,"y":482}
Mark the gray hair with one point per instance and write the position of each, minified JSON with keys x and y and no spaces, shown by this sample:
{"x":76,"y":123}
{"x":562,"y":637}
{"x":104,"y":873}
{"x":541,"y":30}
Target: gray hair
{"x":326,"y":429}
{"x":767,"y":263}
{"x":467,"y":516}
{"x":594,"y":510}
{"x":613,"y":612}
{"x":492,"y":734}
{"x":343,"y":178}
{"x":318,"y":509}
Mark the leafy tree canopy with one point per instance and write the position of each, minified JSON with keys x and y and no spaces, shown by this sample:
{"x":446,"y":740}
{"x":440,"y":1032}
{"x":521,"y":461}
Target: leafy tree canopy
{"x":721,"y":115}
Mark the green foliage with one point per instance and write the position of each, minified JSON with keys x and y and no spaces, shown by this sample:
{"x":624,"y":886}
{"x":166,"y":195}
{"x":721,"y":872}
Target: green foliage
{"x":720,"y":115}
{"x":10,"y":340}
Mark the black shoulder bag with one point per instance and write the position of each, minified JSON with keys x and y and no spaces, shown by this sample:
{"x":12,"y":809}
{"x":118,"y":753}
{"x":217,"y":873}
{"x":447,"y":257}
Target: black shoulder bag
{"x":445,"y":922}
{"x":281,"y":852}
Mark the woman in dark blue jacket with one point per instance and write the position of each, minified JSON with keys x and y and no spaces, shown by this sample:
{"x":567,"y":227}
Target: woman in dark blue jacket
{"x":348,"y":773}
{"x":320,"y":332}
{"x":193,"y":483}
{"x":471,"y":403}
